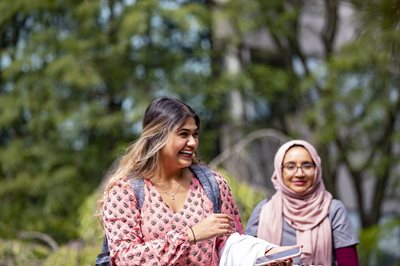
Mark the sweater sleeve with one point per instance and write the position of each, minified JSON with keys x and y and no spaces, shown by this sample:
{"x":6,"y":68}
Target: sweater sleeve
{"x":122,"y":224}
{"x":343,"y":232}
{"x":228,"y":206}
{"x":346,"y":256}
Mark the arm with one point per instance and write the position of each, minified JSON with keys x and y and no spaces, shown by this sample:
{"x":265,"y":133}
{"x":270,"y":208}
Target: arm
{"x":123,"y":227}
{"x":344,"y":236}
{"x":228,"y":206}
{"x":346,"y":256}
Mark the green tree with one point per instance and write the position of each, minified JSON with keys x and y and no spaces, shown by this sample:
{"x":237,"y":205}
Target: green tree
{"x":75,"y":78}
{"x":345,"y":99}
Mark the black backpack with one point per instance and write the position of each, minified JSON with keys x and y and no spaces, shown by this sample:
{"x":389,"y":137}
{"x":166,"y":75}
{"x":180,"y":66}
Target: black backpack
{"x":207,"y":181}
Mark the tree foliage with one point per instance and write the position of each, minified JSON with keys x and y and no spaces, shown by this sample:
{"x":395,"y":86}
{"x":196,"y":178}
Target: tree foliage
{"x":343,"y":98}
{"x":74,"y":81}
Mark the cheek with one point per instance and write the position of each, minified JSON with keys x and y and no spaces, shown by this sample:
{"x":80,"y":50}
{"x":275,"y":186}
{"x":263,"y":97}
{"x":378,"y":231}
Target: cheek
{"x":286,"y":179}
{"x":180,"y":143}
{"x":312,"y":177}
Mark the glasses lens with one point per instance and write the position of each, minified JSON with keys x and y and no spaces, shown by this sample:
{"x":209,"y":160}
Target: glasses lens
{"x":306,"y":167}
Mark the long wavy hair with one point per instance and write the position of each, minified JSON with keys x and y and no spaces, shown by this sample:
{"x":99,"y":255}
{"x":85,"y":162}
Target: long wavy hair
{"x":141,"y":160}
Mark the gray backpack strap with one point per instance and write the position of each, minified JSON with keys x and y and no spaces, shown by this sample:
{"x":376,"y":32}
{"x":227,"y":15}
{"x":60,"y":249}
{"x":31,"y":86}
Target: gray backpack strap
{"x":209,"y":184}
{"x":138,"y":189}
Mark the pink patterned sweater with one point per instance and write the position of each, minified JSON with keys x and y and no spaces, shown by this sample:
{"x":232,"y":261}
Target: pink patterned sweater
{"x":155,"y":234}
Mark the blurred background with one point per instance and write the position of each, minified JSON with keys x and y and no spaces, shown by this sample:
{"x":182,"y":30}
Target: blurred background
{"x":76,"y":76}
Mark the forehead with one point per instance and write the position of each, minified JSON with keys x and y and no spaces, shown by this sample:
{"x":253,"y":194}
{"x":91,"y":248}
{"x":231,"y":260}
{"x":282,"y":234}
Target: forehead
{"x":190,"y":124}
{"x":297,"y":154}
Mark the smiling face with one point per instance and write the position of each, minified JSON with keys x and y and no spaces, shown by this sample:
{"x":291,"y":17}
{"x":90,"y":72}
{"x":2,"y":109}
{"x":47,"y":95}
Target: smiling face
{"x":301,"y":177}
{"x":179,"y":150}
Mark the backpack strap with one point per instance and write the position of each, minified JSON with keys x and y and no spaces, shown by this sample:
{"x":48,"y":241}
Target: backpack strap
{"x":104,"y":247}
{"x":209,"y":183}
{"x":138,"y":189}
{"x":103,"y":259}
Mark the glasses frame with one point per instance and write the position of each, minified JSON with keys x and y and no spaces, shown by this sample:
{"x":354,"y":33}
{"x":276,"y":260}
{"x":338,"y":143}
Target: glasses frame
{"x":295,"y":170}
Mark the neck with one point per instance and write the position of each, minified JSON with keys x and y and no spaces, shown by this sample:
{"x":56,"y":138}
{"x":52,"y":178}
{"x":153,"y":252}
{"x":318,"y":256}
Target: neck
{"x":165,"y":176}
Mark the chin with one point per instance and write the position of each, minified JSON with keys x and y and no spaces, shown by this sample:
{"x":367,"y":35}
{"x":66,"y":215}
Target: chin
{"x":299,"y":190}
{"x":186,"y":163}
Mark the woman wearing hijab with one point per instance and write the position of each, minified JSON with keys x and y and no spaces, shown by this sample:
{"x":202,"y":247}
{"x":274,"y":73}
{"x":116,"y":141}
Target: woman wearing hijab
{"x":303,"y":211}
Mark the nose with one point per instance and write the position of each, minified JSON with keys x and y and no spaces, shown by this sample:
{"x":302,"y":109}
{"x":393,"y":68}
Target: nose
{"x":192,"y":142}
{"x":301,"y":171}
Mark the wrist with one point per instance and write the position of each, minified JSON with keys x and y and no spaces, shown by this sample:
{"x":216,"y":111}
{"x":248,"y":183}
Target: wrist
{"x":191,"y":235}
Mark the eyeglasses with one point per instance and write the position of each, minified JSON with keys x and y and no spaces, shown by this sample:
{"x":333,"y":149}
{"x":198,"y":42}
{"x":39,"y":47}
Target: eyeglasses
{"x":292,"y":168}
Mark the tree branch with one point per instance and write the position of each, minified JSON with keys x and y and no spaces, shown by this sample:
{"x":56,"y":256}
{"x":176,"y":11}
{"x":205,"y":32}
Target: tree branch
{"x":329,"y":32}
{"x":40,"y":236}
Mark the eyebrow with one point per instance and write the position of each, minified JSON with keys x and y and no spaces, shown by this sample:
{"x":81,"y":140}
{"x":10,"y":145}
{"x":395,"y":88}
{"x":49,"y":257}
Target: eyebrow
{"x":300,"y":162}
{"x":187,"y":129}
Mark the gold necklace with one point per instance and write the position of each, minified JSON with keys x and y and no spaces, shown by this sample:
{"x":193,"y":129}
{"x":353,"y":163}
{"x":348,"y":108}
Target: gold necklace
{"x":172,"y":195}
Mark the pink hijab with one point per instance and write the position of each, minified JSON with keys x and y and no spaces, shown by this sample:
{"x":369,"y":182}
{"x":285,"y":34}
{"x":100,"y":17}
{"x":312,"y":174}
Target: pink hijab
{"x":307,"y":213}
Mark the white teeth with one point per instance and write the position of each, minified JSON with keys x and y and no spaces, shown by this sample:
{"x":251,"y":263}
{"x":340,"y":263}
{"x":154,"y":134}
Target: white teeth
{"x":187,"y":152}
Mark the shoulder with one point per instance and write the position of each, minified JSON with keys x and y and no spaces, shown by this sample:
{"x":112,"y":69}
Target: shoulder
{"x":119,"y":200}
{"x":222,"y":182}
{"x":337,"y":208}
{"x":218,"y":176}
{"x":254,"y":220}
{"x":202,"y":171}
{"x":121,"y":188}
{"x":257,"y":209}
{"x":123,"y":183}
{"x":337,"y":204}
{"x":338,"y":216}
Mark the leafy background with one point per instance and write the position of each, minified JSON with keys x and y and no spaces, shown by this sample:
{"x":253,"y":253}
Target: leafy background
{"x":76,"y":76}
